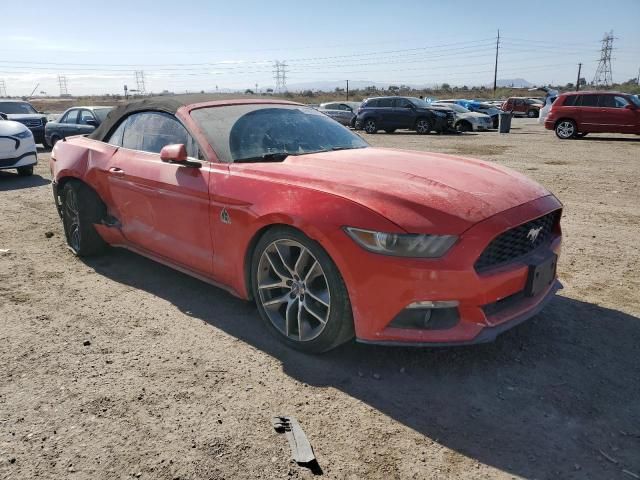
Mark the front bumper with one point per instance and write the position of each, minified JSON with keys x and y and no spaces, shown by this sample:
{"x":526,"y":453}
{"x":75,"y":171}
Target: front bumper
{"x":380,"y":287}
{"x":23,"y":160}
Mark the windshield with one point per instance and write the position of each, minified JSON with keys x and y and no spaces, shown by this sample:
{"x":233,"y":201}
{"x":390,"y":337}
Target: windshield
{"x":418,"y":102}
{"x":267,"y":132}
{"x":12,"y":108}
{"x":102,"y":113}
{"x":635,"y":99}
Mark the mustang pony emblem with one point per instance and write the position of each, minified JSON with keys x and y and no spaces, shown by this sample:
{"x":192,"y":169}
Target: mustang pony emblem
{"x":533,"y":234}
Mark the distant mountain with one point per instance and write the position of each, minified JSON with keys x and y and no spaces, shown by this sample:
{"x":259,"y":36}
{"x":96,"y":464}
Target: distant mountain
{"x":514,"y":82}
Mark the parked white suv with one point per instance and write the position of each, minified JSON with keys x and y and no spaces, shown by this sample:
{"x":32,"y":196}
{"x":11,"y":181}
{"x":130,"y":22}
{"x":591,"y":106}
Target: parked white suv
{"x":17,"y":147}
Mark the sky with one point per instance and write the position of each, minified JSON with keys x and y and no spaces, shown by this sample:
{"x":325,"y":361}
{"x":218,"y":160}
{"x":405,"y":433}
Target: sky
{"x":194,"y":45}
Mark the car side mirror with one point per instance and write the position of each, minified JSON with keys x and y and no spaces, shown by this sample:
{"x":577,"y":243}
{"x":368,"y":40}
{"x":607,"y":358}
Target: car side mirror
{"x":176,"y":153}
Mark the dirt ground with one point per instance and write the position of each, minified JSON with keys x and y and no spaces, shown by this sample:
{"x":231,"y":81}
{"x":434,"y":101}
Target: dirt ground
{"x":117,"y":367}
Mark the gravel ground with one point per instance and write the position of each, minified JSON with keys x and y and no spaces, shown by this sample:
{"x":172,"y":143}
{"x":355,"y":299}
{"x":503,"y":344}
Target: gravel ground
{"x":118,"y":367}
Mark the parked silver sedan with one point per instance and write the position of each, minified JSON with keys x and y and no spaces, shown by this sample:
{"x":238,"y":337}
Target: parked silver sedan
{"x":466,"y":120}
{"x":343,"y":112}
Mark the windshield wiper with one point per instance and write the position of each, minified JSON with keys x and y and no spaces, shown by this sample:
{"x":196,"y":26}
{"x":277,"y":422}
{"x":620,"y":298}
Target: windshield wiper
{"x":267,"y":157}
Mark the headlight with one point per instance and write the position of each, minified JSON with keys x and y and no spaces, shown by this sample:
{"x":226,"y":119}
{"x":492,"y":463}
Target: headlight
{"x":402,"y":245}
{"x":25,"y":134}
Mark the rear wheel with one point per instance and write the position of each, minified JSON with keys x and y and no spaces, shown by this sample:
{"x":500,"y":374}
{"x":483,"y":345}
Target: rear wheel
{"x":423,"y":126}
{"x":81,"y":209}
{"x":370,"y":126}
{"x":25,"y":171}
{"x":566,"y":129}
{"x":532,"y":113}
{"x":299,"y":292}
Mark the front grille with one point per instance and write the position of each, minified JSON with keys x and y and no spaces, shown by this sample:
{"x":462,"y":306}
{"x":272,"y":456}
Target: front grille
{"x":517,"y":242}
{"x":31,"y":123}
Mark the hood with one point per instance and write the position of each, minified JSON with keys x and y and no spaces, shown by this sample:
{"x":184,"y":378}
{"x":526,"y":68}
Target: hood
{"x":420,"y":192}
{"x":474,"y":115}
{"x":9,"y":127}
{"x":25,"y":116}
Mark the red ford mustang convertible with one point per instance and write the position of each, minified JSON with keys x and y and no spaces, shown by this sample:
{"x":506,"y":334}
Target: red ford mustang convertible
{"x":278,"y":203}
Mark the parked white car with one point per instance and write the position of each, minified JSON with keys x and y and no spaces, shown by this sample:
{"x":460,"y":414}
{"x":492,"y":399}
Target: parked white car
{"x":466,"y":120}
{"x":17,"y":147}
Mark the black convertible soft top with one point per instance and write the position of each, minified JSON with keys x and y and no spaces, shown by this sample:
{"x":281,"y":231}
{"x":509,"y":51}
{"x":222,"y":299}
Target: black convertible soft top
{"x":168,"y":104}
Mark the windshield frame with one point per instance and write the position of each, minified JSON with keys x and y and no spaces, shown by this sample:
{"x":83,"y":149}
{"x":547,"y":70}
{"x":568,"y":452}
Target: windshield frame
{"x":236,"y":133}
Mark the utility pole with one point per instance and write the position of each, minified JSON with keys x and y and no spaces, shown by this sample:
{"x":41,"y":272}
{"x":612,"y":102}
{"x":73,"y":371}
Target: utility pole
{"x":495,"y":72}
{"x":347,"y":90}
{"x":578,"y":82}
{"x":638,"y":77}
{"x":142,"y":90}
{"x":280,"y":76}
{"x":256,"y":89}
{"x":3,"y":88}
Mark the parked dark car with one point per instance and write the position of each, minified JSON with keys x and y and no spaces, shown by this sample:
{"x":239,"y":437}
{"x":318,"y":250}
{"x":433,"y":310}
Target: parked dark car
{"x":75,"y":121}
{"x":575,"y":114}
{"x":393,"y":113}
{"x":26,"y":114}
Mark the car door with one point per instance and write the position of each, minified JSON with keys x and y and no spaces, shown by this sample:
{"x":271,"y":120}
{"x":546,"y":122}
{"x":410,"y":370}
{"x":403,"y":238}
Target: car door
{"x":519,"y":105}
{"x":403,"y":113}
{"x":68,"y":123}
{"x":86,"y":122}
{"x":385,"y":114}
{"x":591,"y":119}
{"x":616,"y":118}
{"x":163,"y":208}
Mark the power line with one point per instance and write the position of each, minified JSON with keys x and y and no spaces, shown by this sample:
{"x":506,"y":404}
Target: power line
{"x":604,"y":76}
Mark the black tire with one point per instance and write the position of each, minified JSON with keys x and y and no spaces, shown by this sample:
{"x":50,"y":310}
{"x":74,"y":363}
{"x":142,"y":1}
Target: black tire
{"x":464,"y":126}
{"x":566,"y":129}
{"x":532,"y":113}
{"x":54,"y":139}
{"x":81,"y":209}
{"x":370,"y":126}
{"x":339,"y":325}
{"x":352,"y":124}
{"x":390,"y":130}
{"x":25,"y":171}
{"x":423,"y":126}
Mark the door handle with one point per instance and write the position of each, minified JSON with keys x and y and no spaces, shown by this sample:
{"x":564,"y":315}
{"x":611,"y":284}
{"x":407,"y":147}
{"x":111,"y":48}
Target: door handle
{"x":116,"y":171}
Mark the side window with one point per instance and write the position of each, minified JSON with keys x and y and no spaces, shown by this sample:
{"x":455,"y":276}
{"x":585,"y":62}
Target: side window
{"x":401,"y":103}
{"x":570,"y":100}
{"x":385,"y":102}
{"x":150,"y":131}
{"x":70,"y":117}
{"x":371,"y":104}
{"x":590,"y":100}
{"x":519,"y":102}
{"x":84,"y":116}
{"x":620,"y":102}
{"x":116,"y":136}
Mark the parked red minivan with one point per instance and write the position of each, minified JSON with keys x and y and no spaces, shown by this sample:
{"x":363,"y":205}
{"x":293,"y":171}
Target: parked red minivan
{"x":575,"y":114}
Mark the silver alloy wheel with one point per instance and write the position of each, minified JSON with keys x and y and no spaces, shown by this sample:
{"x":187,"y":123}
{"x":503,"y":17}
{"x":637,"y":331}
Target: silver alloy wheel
{"x":531,"y":114}
{"x":423,"y":126}
{"x":370,"y":126}
{"x":72,"y":218}
{"x":293,"y":290}
{"x":565,"y":129}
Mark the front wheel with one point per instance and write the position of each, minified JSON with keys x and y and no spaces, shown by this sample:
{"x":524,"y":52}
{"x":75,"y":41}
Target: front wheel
{"x":464,"y":126}
{"x":423,"y":126}
{"x":566,"y":129}
{"x":532,"y":113}
{"x":82,"y":208}
{"x":370,"y":126}
{"x":25,"y":171}
{"x":299,"y":292}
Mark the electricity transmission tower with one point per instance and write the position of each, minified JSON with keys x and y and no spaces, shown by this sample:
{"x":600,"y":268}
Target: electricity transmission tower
{"x":603,"y":76}
{"x":62,"y":81}
{"x":140,"y":82}
{"x":3,"y":89}
{"x":280,"y":75}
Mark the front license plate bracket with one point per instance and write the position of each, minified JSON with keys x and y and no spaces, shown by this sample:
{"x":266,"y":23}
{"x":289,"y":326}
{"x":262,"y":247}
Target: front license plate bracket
{"x":542,"y":273}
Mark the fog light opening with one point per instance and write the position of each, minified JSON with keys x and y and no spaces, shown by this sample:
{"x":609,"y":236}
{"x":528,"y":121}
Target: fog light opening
{"x":435,"y":316}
